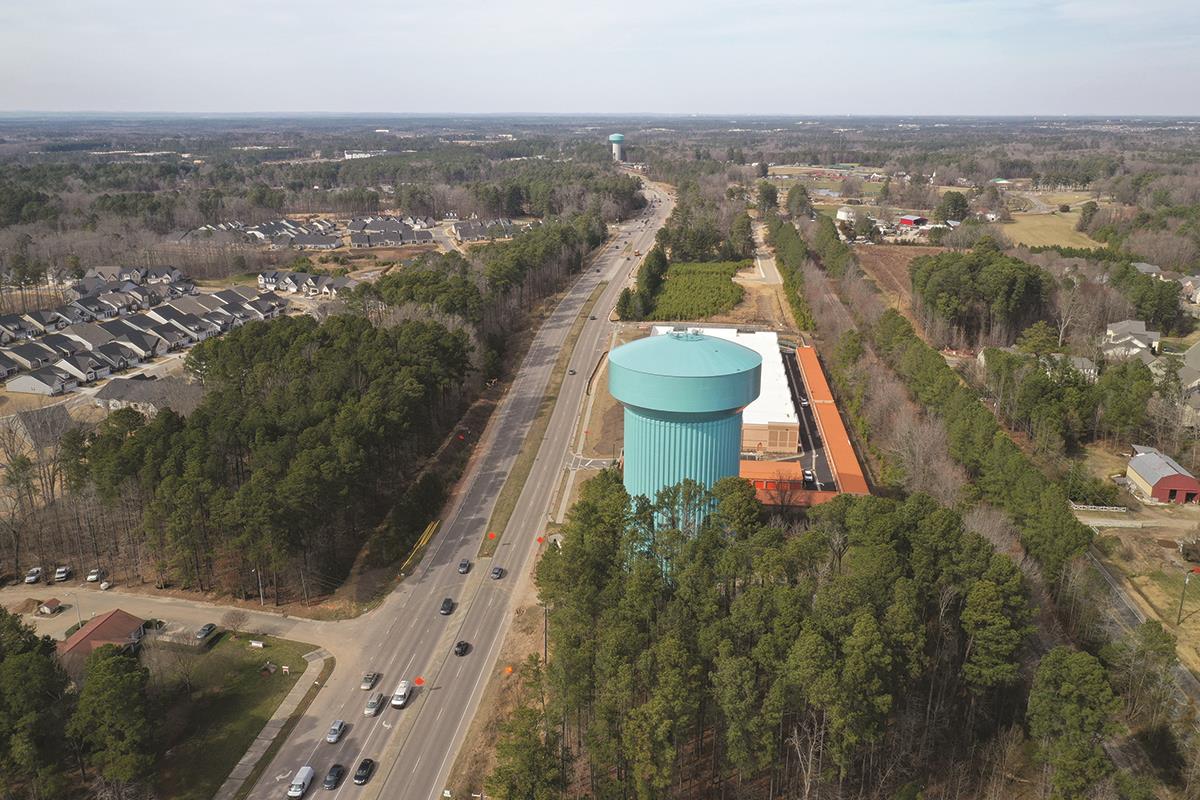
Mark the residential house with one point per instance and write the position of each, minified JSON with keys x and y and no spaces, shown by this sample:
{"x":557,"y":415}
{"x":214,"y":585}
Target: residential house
{"x":1153,"y":270}
{"x":32,"y":355}
{"x":112,"y":274}
{"x":173,"y":336}
{"x":61,"y":343}
{"x":360,"y":240}
{"x":94,"y":308}
{"x":89,"y":334}
{"x":1084,"y":366}
{"x":1128,"y":338}
{"x":145,"y":345}
{"x":46,"y":321}
{"x":47,"y":381}
{"x":316,"y":241}
{"x":293,"y":282}
{"x":149,"y":396}
{"x":119,"y":356}
{"x":14,"y":327}
{"x":7,"y":366}
{"x":163,"y":275}
{"x":86,"y":368}
{"x":269,"y":279}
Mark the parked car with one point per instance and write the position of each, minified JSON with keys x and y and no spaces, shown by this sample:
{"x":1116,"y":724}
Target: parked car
{"x":62,"y":573}
{"x":461,"y":648}
{"x":369,"y":680}
{"x":809,"y":477}
{"x":366,"y":768}
{"x":373,"y":705}
{"x":95,"y":575}
{"x":447,"y":606}
{"x":335,"y":731}
{"x":804,"y":402}
{"x":206,"y":631}
{"x":34,"y":575}
{"x":497,"y":573}
{"x":333,"y":778}
{"x":464,"y":566}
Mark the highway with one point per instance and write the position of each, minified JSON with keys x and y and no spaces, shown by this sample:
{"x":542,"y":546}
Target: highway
{"x":406,"y":638}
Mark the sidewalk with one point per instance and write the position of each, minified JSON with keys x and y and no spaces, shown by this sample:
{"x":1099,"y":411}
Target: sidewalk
{"x":316,"y":661}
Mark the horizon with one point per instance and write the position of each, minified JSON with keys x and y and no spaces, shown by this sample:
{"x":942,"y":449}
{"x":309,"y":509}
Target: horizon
{"x":1028,"y":58}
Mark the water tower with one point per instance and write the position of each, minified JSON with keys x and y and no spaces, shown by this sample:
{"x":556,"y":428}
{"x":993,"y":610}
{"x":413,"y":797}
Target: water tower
{"x":683,"y":395}
{"x":617,"y":140}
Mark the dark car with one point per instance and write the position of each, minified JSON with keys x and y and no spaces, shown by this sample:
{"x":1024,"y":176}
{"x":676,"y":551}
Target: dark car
{"x":333,"y":778}
{"x":204,"y":632}
{"x":497,"y":573}
{"x":593,"y":316}
{"x":464,"y":566}
{"x":461,"y":648}
{"x":447,"y":606}
{"x":363,"y":774}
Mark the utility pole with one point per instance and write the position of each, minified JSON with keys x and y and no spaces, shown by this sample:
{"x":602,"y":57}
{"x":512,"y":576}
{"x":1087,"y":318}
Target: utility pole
{"x":261,"y":600}
{"x":1186,"y":579}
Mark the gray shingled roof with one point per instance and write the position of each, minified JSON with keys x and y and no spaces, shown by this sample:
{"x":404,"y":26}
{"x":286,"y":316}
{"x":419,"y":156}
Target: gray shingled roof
{"x":1153,"y":465}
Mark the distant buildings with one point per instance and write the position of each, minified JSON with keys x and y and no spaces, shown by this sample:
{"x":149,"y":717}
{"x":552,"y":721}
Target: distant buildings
{"x":1130,"y":339}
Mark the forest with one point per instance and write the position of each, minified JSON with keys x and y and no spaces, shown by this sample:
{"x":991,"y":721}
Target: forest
{"x":980,"y":293}
{"x":859,"y":654}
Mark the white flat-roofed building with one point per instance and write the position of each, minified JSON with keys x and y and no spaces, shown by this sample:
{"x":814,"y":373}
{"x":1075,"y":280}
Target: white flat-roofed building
{"x":770,"y":424}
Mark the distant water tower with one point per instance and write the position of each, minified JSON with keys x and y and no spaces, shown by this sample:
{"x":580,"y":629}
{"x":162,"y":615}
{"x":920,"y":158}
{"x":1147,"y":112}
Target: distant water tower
{"x":617,"y":140}
{"x":683,"y":395}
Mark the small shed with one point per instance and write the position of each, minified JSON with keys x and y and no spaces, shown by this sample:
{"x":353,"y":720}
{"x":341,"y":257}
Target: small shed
{"x":50,"y":607}
{"x":1158,"y":476}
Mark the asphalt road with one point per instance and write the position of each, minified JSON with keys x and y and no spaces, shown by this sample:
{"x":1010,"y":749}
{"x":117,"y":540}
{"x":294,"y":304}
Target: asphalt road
{"x":406,"y":637}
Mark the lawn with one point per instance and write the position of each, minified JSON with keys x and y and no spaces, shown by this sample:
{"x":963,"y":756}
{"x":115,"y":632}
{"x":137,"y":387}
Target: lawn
{"x":207,"y":730}
{"x":696,"y":291}
{"x":1047,"y":229}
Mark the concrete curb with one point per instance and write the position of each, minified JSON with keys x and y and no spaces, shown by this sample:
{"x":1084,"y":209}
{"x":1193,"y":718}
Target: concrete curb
{"x":262,"y":742}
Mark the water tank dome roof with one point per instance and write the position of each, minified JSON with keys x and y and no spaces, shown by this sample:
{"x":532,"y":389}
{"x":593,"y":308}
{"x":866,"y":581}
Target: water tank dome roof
{"x":617,"y":137}
{"x":685,"y":372}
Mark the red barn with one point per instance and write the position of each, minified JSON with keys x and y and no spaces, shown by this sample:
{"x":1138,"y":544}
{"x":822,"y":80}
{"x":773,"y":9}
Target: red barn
{"x":1160,"y":477}
{"x":913,"y":220}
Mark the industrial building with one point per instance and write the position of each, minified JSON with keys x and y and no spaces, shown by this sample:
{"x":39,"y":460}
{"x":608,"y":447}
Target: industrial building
{"x":770,"y":423}
{"x":1159,"y":477}
{"x":617,"y":140}
{"x":683,"y":394}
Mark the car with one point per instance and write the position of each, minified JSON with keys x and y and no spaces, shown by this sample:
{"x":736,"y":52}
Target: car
{"x":34,"y":575}
{"x":809,"y":477}
{"x":363,"y":774}
{"x":62,"y":573}
{"x":597,"y":270}
{"x":300,"y":781}
{"x":205,"y":631}
{"x":447,"y":606}
{"x":401,"y":695}
{"x":333,"y":778}
{"x":593,"y":316}
{"x":461,"y":648}
{"x":804,"y":402}
{"x":335,"y":731}
{"x":374,"y":705}
{"x":497,"y":573}
{"x":369,"y":680}
{"x":95,"y":575}
{"x":570,"y":372}
{"x":464,"y":566}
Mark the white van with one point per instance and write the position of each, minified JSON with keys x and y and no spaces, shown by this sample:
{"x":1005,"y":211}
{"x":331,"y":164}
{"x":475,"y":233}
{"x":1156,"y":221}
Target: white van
{"x":300,"y":783}
{"x":400,"y":697}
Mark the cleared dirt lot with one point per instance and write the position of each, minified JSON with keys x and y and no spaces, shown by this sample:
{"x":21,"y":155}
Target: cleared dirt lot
{"x":1047,"y":229}
{"x":888,"y":264}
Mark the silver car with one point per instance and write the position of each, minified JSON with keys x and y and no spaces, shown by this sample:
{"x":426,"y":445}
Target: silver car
{"x":373,"y":705}
{"x":335,"y":731}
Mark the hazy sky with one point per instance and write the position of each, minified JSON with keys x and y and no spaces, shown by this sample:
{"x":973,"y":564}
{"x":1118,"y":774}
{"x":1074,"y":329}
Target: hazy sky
{"x":673,"y":56}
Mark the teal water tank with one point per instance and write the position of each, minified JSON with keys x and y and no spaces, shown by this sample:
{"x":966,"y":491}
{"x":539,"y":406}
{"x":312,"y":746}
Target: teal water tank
{"x":683,"y":395}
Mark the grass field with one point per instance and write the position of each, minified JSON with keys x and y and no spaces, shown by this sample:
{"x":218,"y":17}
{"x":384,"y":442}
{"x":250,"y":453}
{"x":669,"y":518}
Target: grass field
{"x":1047,"y":229}
{"x":229,"y":702}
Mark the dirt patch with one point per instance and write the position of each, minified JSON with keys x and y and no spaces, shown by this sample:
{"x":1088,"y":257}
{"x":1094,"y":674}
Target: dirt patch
{"x":888,"y":266}
{"x":13,"y":402}
{"x":26,"y":606}
{"x":477,"y":756}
